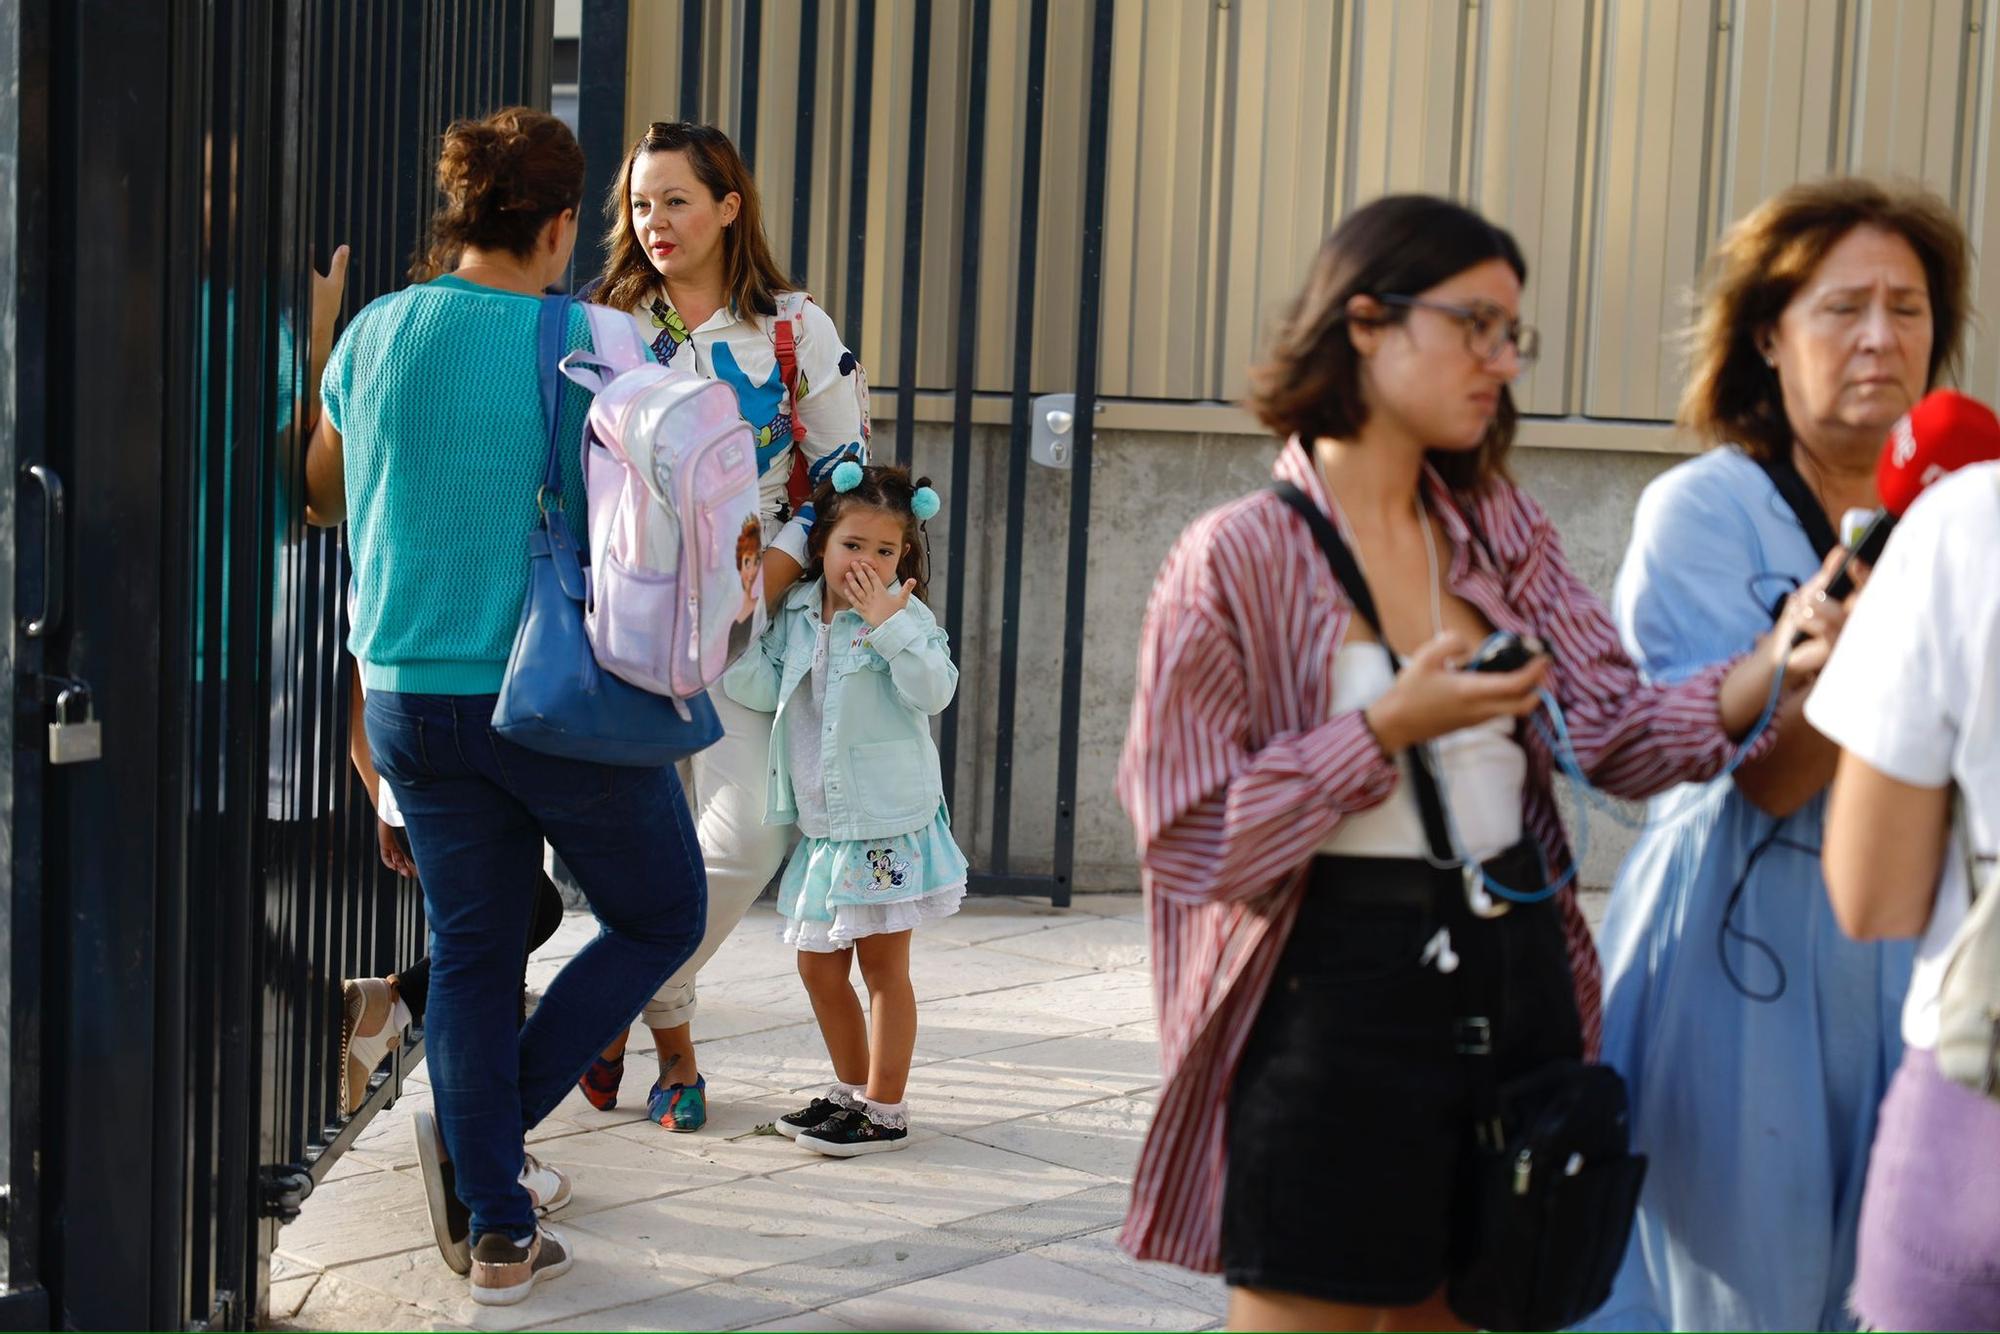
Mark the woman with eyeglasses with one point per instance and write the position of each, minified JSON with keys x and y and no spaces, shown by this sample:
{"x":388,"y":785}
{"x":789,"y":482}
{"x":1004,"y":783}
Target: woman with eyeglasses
{"x":1310,"y":947}
{"x":1756,"y":1038}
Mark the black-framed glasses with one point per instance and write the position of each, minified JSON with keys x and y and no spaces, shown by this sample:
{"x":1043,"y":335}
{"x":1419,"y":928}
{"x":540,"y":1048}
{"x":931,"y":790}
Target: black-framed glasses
{"x":1487,"y":327}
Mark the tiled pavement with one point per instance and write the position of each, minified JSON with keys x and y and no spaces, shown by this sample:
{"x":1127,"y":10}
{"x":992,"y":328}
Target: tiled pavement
{"x":1036,"y":1068}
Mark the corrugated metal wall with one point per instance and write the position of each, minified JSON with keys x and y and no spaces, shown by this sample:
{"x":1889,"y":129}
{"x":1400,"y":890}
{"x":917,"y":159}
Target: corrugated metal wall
{"x":1616,"y":137}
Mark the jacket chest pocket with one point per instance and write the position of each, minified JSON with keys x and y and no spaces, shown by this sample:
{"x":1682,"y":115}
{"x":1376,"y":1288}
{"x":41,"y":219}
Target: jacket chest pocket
{"x":892,"y":779}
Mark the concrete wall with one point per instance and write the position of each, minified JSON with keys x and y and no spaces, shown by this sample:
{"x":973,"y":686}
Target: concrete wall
{"x":1145,"y":487}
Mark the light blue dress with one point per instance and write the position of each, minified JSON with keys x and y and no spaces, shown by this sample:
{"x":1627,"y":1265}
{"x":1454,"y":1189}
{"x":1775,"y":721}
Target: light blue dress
{"x":1757,"y":1109}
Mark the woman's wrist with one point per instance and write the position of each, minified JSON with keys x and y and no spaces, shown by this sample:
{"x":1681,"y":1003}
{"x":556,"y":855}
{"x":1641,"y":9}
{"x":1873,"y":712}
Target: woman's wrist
{"x":1745,"y":690}
{"x":1379,"y":719}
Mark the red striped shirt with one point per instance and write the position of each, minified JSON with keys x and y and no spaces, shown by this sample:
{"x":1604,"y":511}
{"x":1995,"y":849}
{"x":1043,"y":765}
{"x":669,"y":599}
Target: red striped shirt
{"x":1236,"y":768}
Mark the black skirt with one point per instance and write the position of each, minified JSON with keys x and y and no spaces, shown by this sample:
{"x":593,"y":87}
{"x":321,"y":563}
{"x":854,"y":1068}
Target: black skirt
{"x":1349,"y":1118}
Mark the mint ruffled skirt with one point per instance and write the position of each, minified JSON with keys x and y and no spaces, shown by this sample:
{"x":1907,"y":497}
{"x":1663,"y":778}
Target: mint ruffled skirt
{"x":836,"y":891}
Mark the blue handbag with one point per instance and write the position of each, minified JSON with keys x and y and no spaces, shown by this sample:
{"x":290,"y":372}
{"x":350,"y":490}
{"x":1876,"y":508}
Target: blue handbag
{"x":555,"y":698}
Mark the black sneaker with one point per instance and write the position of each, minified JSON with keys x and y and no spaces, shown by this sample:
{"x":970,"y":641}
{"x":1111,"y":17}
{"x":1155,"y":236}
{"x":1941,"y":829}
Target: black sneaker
{"x":451,"y":1223}
{"x":808,"y":1116}
{"x":851,"y":1134}
{"x":503,"y":1273}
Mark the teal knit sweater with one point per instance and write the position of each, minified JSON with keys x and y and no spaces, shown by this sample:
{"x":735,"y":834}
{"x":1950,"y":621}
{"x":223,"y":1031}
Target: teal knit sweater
{"x":435,"y":393}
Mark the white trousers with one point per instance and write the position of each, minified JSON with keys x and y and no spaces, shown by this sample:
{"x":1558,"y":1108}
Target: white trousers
{"x":742,"y":853}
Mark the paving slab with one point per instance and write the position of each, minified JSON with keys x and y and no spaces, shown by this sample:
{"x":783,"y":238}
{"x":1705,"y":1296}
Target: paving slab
{"x":606,"y":1274}
{"x":724,"y":1231}
{"x":711,"y":1306}
{"x":1098,"y":1253}
{"x":1036,"y":1058}
{"x":944,"y":1179}
{"x":1101,"y":1138}
{"x":961,"y":1095}
{"x":1102,"y":943}
{"x":1040,"y":1294}
{"x":1115,"y":1060}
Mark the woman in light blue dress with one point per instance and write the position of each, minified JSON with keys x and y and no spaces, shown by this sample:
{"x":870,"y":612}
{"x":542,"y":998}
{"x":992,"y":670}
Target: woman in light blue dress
{"x":1757,"y":1039}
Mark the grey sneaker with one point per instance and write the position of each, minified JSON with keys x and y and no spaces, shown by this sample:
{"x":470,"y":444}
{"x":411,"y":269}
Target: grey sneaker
{"x":504,"y":1273}
{"x":451,"y":1224}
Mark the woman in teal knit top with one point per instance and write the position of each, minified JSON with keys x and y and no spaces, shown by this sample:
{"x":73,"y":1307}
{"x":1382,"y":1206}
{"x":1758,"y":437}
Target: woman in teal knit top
{"x":431,"y":446}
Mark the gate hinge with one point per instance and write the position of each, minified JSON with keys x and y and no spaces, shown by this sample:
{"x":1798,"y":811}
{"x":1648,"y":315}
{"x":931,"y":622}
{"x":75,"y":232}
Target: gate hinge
{"x":285,"y":1187}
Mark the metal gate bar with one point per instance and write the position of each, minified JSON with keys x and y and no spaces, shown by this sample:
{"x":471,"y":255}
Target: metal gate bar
{"x":911,"y":295}
{"x":1018,"y":441}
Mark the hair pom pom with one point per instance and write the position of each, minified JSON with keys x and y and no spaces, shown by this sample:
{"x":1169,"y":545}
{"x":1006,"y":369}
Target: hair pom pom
{"x":846,"y":476}
{"x":924,"y":504}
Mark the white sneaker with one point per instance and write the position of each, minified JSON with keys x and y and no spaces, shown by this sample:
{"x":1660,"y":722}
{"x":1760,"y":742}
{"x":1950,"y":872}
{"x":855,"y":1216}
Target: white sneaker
{"x":547,"y":1186}
{"x":366,"y":1001}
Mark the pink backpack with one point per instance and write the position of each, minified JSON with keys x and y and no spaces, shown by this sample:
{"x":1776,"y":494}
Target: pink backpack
{"x":676,"y":527}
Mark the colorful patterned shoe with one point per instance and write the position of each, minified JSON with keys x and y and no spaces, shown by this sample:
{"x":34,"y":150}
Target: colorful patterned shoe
{"x":600,"y":1082}
{"x":680,"y":1107}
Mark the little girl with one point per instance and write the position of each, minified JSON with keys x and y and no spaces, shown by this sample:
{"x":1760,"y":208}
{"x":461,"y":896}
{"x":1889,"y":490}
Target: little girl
{"x":855,"y":666}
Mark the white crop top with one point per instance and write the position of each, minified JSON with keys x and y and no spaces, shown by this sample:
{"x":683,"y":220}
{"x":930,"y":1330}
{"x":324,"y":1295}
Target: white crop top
{"x":1481,"y":773}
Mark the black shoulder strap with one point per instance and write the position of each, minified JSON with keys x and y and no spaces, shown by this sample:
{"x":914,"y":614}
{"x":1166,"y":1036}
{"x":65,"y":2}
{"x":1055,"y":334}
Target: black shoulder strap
{"x":1805,"y":505}
{"x":1348,"y":571}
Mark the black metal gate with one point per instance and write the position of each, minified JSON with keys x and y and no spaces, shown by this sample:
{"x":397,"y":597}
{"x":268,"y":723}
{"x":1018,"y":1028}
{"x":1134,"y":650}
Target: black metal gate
{"x":825,"y":63}
{"x":179,"y":912}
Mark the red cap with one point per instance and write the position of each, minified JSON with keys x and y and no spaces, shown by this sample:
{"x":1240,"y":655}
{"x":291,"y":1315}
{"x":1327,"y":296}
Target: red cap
{"x":1944,"y":432}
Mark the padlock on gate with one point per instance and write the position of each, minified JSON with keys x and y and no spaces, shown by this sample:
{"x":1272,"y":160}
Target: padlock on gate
{"x":75,"y":737}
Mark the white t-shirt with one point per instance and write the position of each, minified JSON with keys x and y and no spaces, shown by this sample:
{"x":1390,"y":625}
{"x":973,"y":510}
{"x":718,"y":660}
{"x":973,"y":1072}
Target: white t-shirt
{"x":1914,"y":689}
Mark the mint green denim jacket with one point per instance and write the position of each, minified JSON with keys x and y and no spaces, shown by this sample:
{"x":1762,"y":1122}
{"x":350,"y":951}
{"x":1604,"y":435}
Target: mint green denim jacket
{"x":883,"y":686}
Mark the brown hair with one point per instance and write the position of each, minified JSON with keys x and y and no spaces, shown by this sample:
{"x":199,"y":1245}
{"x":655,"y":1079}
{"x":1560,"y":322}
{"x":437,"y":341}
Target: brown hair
{"x":1761,"y":263}
{"x":750,"y":542}
{"x":1400,"y":245}
{"x":500,"y":180}
{"x":750,"y":273}
{"x":888,"y":489}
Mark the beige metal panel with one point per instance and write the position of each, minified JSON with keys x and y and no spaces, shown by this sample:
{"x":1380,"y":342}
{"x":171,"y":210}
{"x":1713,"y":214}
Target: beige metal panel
{"x":1527,"y":140}
{"x":1158,"y":265}
{"x":1001,"y":197}
{"x":1785,"y":86}
{"x":1908,"y":59}
{"x":1651,"y":176}
{"x":1060,"y":264}
{"x":1980,"y":200}
{"x":1403,"y":122}
{"x":1277,"y":173}
{"x":653,"y":66}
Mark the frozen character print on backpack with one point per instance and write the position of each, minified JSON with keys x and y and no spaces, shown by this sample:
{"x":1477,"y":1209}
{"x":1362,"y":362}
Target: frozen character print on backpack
{"x":855,"y":667}
{"x":749,"y":564}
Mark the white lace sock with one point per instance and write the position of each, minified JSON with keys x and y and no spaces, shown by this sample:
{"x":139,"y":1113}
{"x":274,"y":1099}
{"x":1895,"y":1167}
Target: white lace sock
{"x":846,"y":1095}
{"x":888,"y":1115}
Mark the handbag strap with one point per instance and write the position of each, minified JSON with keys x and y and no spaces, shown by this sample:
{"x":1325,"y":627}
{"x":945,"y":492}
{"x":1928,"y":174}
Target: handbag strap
{"x":551,"y":341}
{"x":1430,"y":803}
{"x":1804,"y":505}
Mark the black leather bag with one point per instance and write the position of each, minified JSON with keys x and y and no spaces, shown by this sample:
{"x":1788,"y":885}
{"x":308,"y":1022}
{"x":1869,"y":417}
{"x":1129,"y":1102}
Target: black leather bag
{"x":1544,"y":1207}
{"x":1548,"y":1201}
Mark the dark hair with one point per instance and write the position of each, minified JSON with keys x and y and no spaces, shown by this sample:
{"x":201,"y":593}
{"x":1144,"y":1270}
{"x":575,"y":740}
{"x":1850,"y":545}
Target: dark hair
{"x":1731,"y":396}
{"x":1399,"y":245}
{"x":750,"y":273}
{"x":888,"y":489}
{"x":500,"y":180}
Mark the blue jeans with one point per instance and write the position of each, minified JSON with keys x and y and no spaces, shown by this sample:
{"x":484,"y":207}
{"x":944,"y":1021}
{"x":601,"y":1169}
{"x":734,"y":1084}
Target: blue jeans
{"x":478,"y":807}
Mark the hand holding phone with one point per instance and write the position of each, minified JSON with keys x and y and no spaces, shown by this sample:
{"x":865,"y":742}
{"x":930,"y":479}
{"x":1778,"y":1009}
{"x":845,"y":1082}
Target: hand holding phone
{"x":1505,"y":651}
